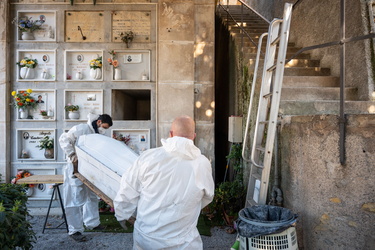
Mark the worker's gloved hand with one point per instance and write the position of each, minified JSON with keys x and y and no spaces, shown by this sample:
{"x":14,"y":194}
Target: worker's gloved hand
{"x":123,"y":224}
{"x":73,"y":158}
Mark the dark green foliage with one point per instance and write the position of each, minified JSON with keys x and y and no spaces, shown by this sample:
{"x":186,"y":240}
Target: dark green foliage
{"x":230,"y":195}
{"x":15,"y":230}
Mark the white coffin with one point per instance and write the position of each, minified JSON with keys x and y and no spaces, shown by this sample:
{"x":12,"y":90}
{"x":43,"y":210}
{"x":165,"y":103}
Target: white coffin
{"x":102,"y":161}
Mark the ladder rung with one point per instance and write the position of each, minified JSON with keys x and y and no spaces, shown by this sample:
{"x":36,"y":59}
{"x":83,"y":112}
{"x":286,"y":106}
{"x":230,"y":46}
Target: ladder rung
{"x":267,"y":95}
{"x":260,"y":149}
{"x":276,"y":40}
{"x":272,"y":67}
{"x":257,"y":176}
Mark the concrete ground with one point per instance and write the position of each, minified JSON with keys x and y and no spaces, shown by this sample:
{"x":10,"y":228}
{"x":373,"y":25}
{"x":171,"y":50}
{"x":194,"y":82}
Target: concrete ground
{"x":59,"y":239}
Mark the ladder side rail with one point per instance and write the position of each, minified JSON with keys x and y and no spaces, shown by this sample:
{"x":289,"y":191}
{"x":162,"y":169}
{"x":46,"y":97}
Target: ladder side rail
{"x":279,"y":74}
{"x":259,"y":131}
{"x":252,"y":97}
{"x":265,"y":88}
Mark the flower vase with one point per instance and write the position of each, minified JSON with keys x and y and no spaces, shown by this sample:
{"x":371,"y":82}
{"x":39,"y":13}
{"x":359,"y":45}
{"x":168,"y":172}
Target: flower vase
{"x":27,"y":73}
{"x":30,"y":73}
{"x":44,"y":75}
{"x":29,"y":191}
{"x":79,"y":75}
{"x":49,"y":153}
{"x":96,"y":74}
{"x":118,"y":74}
{"x":73,"y":115}
{"x":50,"y":113}
{"x":28,"y":35}
{"x":23,"y":72}
{"x":24,"y":113}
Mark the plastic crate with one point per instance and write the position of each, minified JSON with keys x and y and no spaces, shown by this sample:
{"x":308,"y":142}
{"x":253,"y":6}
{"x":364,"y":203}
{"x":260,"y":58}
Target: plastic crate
{"x":284,"y":240}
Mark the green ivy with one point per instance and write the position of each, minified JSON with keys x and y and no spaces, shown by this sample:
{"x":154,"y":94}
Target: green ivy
{"x":15,"y":230}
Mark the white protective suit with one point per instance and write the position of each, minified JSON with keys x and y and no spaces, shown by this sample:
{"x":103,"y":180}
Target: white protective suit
{"x":168,"y":186}
{"x":81,"y":204}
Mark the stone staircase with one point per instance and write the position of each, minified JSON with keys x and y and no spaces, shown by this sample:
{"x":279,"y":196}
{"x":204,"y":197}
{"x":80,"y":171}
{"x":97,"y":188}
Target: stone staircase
{"x":308,"y":89}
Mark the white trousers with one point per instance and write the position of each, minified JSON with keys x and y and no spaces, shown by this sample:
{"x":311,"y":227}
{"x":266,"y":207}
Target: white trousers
{"x":80,"y":203}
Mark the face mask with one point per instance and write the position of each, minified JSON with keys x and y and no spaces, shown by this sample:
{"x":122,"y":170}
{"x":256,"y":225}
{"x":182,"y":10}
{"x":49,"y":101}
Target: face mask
{"x":101,"y":130}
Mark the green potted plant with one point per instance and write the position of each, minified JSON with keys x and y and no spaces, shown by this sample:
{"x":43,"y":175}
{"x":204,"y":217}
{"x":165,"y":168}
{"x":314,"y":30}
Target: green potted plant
{"x":230,"y":196}
{"x":47,"y":144}
{"x":72,"y":110}
{"x":103,"y":206}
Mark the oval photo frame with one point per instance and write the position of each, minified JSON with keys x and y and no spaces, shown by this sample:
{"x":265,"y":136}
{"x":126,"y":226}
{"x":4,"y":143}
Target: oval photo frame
{"x":80,"y":58}
{"x":45,"y":58}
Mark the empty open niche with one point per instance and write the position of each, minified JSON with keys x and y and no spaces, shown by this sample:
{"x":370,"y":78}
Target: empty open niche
{"x":132,"y":104}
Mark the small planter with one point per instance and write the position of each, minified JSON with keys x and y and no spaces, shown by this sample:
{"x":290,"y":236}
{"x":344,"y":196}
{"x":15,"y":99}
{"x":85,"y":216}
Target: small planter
{"x":27,"y":73}
{"x":96,"y":74}
{"x":24,"y":113}
{"x":28,"y":35}
{"x":73,"y":115}
{"x":49,"y":153}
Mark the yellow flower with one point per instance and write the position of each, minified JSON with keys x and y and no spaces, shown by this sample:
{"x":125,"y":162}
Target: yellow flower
{"x":29,"y":91}
{"x":14,"y":93}
{"x":28,"y":99}
{"x":23,"y":62}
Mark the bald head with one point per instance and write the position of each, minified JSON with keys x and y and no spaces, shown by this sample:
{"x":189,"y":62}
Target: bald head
{"x":183,"y":126}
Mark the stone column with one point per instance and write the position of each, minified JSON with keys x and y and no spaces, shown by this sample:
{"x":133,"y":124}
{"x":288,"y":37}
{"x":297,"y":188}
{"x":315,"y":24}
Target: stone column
{"x":175,"y":84}
{"x":4,"y":91}
{"x":204,"y":79}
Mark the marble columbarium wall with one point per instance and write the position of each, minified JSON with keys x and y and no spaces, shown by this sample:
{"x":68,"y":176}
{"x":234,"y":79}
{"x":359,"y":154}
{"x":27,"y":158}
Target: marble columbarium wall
{"x":166,"y":71}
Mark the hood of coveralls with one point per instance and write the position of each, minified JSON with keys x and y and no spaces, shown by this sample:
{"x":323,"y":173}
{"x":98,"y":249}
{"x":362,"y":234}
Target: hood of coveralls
{"x":181,"y":146}
{"x":90,"y":118}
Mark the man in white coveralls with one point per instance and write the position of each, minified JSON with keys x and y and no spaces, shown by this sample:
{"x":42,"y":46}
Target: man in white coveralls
{"x":167,"y":187}
{"x":81,"y":204}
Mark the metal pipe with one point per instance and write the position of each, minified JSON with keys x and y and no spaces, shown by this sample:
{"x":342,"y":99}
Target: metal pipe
{"x":276,"y":193}
{"x":342,"y":119}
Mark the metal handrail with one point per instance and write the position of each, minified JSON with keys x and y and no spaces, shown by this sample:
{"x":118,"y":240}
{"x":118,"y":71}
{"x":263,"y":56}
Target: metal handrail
{"x":243,"y":30}
{"x":342,"y":42}
{"x":247,"y":6}
{"x":251,"y":98}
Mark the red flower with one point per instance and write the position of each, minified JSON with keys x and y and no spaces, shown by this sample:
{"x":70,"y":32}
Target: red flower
{"x":31,"y":100}
{"x":22,"y":91}
{"x":24,"y":94}
{"x":20,"y":104}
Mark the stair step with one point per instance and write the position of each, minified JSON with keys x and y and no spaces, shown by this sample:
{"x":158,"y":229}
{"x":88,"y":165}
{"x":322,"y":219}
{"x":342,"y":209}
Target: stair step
{"x":234,"y":28}
{"x":291,"y":50}
{"x":316,"y":93}
{"x":311,"y":81}
{"x":293,"y":63}
{"x":312,"y":71}
{"x":300,"y":56}
{"x":325,"y":107}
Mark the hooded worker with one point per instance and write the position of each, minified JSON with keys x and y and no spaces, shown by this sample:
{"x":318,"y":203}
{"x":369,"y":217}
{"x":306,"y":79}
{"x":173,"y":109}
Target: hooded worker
{"x":167,"y":187}
{"x":81,"y":204}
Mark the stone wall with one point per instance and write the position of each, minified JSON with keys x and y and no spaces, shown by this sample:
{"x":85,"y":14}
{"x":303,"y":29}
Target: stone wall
{"x":335,"y":203}
{"x":4,"y":93}
{"x":316,"y":23}
{"x":181,"y":46}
